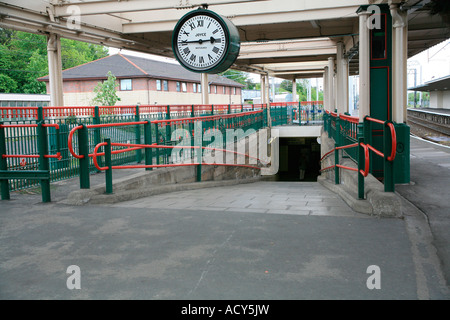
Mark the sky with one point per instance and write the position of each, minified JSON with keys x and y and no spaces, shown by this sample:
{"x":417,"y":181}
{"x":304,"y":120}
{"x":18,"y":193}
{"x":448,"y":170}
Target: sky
{"x":433,"y":63}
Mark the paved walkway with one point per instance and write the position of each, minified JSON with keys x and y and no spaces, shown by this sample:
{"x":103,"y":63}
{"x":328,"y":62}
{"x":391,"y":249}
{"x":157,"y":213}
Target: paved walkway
{"x":307,"y":198}
{"x":265,"y":240}
{"x":429,"y":191}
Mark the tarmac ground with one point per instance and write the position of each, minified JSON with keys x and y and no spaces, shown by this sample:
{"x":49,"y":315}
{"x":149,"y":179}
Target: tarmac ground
{"x":268,"y":240}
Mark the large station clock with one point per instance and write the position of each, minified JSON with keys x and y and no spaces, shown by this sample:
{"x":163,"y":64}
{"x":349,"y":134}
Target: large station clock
{"x":205,"y":42}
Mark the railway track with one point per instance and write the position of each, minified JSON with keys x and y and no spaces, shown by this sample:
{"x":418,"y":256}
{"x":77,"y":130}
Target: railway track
{"x":436,"y":122}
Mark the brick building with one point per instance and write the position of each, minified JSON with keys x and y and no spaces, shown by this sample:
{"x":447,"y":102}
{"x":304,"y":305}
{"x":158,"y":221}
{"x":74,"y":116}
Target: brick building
{"x":144,"y":81}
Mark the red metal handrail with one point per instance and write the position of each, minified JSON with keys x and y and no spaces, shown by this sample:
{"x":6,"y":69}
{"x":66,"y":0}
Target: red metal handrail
{"x":364,"y":172}
{"x":142,"y":146}
{"x":391,"y":126}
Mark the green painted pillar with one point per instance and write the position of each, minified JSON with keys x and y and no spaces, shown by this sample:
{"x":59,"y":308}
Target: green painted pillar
{"x":336,"y":152}
{"x":148,"y":140}
{"x":138,"y":135}
{"x":4,"y":183}
{"x":361,"y":162}
{"x":389,"y":183}
{"x":83,"y":149}
{"x":108,"y":163}
{"x":97,"y":134}
{"x":44,"y":163}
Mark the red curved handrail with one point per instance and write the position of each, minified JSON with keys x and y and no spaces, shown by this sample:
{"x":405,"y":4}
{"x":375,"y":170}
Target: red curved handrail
{"x":132,"y":147}
{"x":69,"y":143}
{"x":393,"y":142}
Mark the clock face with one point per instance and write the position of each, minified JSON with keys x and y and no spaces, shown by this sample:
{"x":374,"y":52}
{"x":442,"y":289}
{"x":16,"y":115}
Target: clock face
{"x":201,"y":42}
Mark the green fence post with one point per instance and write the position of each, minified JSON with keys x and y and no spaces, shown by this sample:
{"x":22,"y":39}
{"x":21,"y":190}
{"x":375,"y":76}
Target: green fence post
{"x":299,"y":113}
{"x":168,"y":136}
{"x":361,"y":161}
{"x":313,"y":112}
{"x":336,"y":151}
{"x":389,"y":183}
{"x":108,"y":163}
{"x":367,"y":133}
{"x":191,"y":131}
{"x":4,"y":183}
{"x":44,"y":163}
{"x":83,"y":149}
{"x":198,"y":134}
{"x":137,"y":118}
{"x":157,"y":142}
{"x":97,"y":133}
{"x":148,"y":140}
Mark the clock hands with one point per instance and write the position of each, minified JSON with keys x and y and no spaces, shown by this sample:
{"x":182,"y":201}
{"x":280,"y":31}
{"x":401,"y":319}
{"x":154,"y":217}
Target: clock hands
{"x":212,"y":40}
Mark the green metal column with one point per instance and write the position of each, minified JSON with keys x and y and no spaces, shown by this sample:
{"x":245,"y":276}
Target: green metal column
{"x":336,"y":152}
{"x":108,"y":163}
{"x":148,"y":140}
{"x":157,"y":142}
{"x":44,"y":163}
{"x":4,"y":183}
{"x":138,"y":135}
{"x":299,"y":113}
{"x":361,"y":161}
{"x":168,"y":136}
{"x":83,"y":149}
{"x":389,"y":183}
{"x":97,"y":134}
{"x":198,"y":134}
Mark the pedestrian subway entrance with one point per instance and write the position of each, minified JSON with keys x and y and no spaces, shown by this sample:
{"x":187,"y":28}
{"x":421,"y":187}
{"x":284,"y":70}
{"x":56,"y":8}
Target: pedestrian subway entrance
{"x":299,"y":159}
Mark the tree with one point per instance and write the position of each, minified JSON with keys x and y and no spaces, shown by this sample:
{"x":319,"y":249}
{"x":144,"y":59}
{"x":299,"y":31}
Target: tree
{"x":7,"y":84}
{"x":23,"y":59}
{"x":105,"y":93}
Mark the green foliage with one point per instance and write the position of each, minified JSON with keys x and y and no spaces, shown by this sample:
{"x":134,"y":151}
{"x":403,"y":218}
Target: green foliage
{"x":105,"y":93}
{"x":7,"y":84}
{"x":23,"y":58}
{"x":302,"y":89}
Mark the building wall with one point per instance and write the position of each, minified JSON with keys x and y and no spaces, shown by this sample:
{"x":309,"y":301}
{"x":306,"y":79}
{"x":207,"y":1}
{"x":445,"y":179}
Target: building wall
{"x":144,"y":91}
{"x":440,"y":99}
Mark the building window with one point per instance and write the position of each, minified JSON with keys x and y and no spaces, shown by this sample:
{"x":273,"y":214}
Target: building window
{"x":178,"y":86}
{"x":194,"y":87}
{"x":234,"y":90}
{"x":184,"y":86}
{"x":158,"y":85}
{"x":165,"y":85}
{"x":199,"y":87}
{"x":125,"y":85}
{"x":215,"y":89}
{"x":224,"y":90}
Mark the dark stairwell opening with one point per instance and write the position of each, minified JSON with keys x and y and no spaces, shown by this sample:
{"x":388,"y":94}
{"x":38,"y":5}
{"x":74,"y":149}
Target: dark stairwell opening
{"x":299,"y":159}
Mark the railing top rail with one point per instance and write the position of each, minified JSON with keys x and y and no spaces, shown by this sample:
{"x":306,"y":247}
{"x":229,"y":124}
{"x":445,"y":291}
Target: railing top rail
{"x":349,"y":118}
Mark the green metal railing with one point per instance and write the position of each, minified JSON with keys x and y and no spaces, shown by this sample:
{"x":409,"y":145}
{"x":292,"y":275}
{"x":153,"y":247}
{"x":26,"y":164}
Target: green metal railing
{"x":355,"y":141}
{"x":26,"y":140}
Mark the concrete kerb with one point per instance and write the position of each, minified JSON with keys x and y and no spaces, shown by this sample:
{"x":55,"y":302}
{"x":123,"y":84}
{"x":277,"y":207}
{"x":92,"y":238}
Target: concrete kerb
{"x":376,"y":202}
{"x":162,"y":180}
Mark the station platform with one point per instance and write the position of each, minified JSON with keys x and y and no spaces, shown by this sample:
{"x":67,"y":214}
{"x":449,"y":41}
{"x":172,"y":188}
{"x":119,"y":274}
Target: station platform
{"x":267,"y":240}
